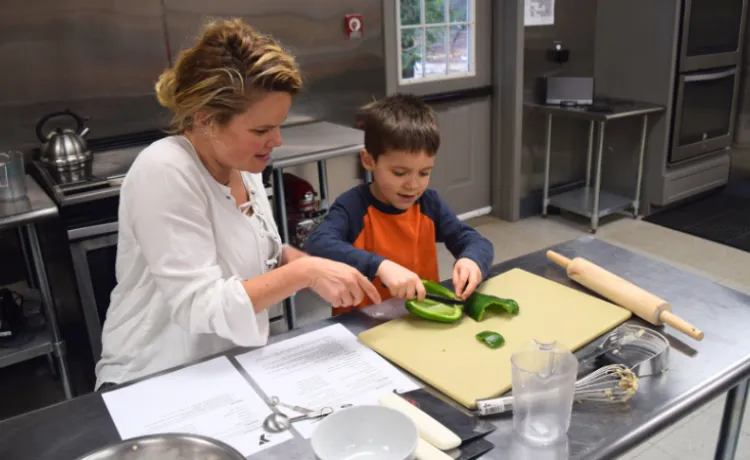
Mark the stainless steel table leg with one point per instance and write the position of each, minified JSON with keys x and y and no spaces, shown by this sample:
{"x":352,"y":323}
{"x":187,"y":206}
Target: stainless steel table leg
{"x":598,"y":178}
{"x":280,"y":208}
{"x":27,"y":262}
{"x":639,"y":180}
{"x":323,"y":182}
{"x":547,"y":154}
{"x":589,"y":153}
{"x":731,"y":422}
{"x":58,"y":346}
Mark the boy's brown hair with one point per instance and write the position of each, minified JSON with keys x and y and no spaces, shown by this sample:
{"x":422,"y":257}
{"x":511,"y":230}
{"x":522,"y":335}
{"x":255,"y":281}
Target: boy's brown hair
{"x":400,"y":122}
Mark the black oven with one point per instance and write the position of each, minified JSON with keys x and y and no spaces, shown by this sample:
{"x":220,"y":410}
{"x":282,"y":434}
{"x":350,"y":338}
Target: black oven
{"x":711,"y":31}
{"x":704,"y":109}
{"x":92,"y":235}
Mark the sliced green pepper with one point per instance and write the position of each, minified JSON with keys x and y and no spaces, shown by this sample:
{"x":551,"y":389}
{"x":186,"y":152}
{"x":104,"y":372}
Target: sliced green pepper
{"x":438,"y":289}
{"x":492,"y":339}
{"x":435,"y":311}
{"x":478,"y":303}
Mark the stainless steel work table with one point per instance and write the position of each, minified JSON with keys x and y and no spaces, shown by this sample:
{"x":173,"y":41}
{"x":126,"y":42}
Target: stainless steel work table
{"x":24,"y":214}
{"x":590,"y":201}
{"x":699,"y":371}
{"x":304,"y":144}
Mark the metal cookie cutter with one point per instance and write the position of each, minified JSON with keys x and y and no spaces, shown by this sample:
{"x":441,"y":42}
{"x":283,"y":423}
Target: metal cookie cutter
{"x":643,"y":350}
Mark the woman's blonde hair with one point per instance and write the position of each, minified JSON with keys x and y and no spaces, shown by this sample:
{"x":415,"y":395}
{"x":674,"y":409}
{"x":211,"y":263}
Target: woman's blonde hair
{"x":224,"y":72}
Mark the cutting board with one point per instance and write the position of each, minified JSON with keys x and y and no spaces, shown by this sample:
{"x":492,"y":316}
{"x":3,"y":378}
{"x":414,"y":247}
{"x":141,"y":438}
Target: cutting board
{"x":451,"y":359}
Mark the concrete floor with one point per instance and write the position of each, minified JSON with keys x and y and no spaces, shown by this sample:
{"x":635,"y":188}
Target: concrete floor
{"x":692,"y":438}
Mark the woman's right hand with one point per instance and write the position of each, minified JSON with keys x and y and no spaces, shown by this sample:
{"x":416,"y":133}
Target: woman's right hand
{"x":339,"y":283}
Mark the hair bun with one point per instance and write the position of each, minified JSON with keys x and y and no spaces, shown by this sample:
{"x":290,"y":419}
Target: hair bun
{"x":166,"y":91}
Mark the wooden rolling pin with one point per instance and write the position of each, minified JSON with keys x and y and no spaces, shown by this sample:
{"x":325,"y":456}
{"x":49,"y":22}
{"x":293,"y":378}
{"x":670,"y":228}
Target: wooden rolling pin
{"x":642,"y":303}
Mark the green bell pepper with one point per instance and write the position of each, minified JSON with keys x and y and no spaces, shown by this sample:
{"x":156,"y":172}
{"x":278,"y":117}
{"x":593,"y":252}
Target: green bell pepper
{"x":438,"y":289}
{"x":436,"y":311}
{"x":478,"y":304}
{"x":491,"y":339}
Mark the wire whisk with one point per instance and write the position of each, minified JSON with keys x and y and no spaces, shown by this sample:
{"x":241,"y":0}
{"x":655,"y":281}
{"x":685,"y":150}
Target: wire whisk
{"x":612,"y":384}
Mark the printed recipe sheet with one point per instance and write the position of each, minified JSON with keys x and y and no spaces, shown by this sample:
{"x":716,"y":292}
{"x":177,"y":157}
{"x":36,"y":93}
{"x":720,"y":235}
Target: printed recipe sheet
{"x":324,"y":368}
{"x":210,"y":399}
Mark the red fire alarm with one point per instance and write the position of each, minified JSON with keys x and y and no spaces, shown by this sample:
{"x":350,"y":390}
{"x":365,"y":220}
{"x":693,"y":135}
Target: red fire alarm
{"x":354,"y":26}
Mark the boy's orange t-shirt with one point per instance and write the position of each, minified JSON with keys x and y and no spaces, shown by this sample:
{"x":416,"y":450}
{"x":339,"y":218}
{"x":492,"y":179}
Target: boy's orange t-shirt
{"x":361,"y":231}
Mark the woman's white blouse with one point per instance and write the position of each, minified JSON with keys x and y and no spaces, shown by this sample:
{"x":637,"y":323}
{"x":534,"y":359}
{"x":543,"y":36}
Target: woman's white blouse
{"x":184,"y":247}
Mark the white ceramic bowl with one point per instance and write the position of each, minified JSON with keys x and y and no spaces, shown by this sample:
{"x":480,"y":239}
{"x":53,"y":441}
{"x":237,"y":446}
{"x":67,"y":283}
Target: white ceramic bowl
{"x":366,"y":433}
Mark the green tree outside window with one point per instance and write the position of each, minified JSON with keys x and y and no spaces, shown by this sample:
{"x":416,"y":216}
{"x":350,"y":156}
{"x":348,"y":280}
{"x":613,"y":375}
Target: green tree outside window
{"x":413,"y":38}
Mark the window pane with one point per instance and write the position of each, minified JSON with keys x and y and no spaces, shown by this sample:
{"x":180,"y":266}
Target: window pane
{"x":436,"y":53}
{"x":411,"y":53}
{"x":458,"y":61}
{"x":459,"y":10}
{"x":434,"y":11}
{"x":411,"y":12}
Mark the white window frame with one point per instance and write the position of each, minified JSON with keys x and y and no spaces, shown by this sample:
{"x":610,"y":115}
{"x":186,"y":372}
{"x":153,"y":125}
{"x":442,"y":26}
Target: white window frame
{"x":471,"y":22}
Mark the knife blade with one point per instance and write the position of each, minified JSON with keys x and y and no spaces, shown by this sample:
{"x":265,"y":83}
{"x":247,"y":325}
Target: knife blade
{"x":437,"y":298}
{"x":445,"y":300}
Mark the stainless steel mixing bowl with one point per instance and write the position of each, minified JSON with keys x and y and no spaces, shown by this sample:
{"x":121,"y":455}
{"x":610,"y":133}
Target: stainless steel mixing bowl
{"x":166,"y":447}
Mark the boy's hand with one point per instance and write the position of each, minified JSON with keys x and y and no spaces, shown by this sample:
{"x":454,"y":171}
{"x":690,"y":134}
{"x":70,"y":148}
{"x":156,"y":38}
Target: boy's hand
{"x":402,"y":283}
{"x":466,"y":277}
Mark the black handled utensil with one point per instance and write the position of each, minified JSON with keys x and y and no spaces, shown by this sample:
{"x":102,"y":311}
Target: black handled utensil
{"x":438,"y":298}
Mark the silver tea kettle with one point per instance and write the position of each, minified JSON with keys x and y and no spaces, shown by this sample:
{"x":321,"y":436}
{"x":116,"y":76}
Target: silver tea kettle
{"x":64,"y":148}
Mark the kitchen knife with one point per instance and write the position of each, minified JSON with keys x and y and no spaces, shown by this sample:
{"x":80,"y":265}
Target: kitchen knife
{"x":467,"y":426}
{"x":430,"y":429}
{"x":445,"y":300}
{"x":437,"y":298}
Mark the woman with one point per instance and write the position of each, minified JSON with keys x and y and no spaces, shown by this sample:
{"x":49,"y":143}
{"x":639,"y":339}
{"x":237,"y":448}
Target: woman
{"x":199,"y":257}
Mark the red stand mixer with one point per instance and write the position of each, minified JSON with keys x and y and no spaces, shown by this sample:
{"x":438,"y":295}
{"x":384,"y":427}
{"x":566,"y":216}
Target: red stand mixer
{"x":304,"y":209}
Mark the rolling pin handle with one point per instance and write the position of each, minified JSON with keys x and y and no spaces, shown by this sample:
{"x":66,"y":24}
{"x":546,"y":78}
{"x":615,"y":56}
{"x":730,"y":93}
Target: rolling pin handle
{"x":681,"y":325}
{"x":559,"y":259}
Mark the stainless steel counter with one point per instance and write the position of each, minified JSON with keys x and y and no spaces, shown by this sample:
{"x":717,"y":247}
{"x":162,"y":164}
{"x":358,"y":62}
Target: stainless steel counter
{"x":36,"y":206}
{"x":315,"y":142}
{"x":698,"y":372}
{"x":613,"y":109}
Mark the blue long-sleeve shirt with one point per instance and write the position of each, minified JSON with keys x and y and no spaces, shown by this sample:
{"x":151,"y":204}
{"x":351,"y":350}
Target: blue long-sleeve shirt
{"x":361,"y":231}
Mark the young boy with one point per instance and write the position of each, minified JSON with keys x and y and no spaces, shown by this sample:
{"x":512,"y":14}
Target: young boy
{"x":389,"y":229}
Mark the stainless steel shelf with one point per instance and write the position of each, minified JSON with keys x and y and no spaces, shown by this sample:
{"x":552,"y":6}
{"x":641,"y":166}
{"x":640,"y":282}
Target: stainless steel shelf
{"x":39,"y":345}
{"x":581,"y":201}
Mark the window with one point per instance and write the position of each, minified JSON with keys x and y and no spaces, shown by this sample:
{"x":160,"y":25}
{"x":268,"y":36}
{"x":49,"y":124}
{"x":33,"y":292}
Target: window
{"x":436,"y":39}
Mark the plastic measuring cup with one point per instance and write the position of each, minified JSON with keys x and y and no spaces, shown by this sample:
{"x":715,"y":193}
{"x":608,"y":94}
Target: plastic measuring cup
{"x":12,"y":176}
{"x":543,"y":378}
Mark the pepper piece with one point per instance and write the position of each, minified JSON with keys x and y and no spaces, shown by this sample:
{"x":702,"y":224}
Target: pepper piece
{"x":478,"y":303}
{"x":491,"y":339}
{"x":435,"y":311}
{"x":438,"y":289}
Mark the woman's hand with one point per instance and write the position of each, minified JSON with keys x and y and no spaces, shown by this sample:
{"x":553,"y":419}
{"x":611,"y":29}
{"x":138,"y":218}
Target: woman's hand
{"x":402,"y":283}
{"x":338,"y":283}
{"x":290,"y":254}
{"x":466,"y":277}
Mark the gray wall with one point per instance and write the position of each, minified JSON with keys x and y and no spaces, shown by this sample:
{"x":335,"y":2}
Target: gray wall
{"x":575,"y":24}
{"x":102,"y":57}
